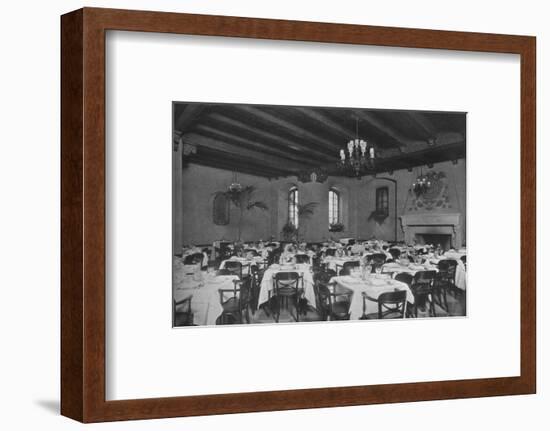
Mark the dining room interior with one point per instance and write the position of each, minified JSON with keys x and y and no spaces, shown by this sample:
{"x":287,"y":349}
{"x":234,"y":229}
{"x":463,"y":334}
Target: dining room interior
{"x":292,"y":214}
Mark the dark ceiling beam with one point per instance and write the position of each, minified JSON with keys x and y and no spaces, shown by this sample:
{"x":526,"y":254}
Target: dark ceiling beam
{"x":326,"y":122}
{"x":256,"y":145}
{"x":237,"y":162}
{"x":396,"y":137}
{"x":421,"y":120}
{"x":289,"y":127}
{"x":221,"y":156}
{"x":429,"y":155}
{"x":231,"y":166}
{"x":188,"y":116}
{"x":285,"y":144}
{"x":257,"y":157}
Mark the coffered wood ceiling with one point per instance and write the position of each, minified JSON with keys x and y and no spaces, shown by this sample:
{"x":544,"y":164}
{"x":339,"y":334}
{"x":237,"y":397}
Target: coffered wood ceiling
{"x":279,"y":141}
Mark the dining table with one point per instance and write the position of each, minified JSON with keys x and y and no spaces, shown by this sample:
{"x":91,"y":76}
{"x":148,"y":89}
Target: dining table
{"x":372,"y":285}
{"x":395,"y":268}
{"x":203,"y":289}
{"x":246,"y":262}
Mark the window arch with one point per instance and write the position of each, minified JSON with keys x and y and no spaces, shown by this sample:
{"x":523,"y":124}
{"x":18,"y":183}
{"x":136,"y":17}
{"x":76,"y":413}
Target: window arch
{"x":293,"y":205}
{"x":334,"y":207}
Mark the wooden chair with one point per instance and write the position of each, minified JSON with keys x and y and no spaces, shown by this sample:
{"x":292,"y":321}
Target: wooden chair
{"x":302,"y":258}
{"x":424,"y":292}
{"x":321,"y":279}
{"x":377,"y":258}
{"x":286,"y":286}
{"x":251,"y":251}
{"x":330,"y":252}
{"x":256,"y":276}
{"x":182,"y":314}
{"x":348,"y":266}
{"x":336,"y":300}
{"x":404,"y":277}
{"x":445,"y":280}
{"x":234,"y":267}
{"x":391,"y":305}
{"x":193,"y":259}
{"x":407,"y":278}
{"x":395,"y":253}
{"x":235,"y":303}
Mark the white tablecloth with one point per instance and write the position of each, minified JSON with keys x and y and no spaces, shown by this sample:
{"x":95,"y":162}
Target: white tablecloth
{"x":396,"y":268}
{"x":267,"y":281}
{"x":373,"y":286}
{"x":205,"y":301}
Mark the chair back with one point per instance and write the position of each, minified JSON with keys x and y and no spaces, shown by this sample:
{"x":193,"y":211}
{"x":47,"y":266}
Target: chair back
{"x":377,"y":258}
{"x":286,"y":283}
{"x":404,"y":277}
{"x":423,"y":282}
{"x":392,"y":304}
{"x":193,"y":259}
{"x":348,"y":266}
{"x":395,"y":253}
{"x":330,"y":252}
{"x":234,"y":267}
{"x":447,"y":269}
{"x":239,"y":293}
{"x":302,"y":258}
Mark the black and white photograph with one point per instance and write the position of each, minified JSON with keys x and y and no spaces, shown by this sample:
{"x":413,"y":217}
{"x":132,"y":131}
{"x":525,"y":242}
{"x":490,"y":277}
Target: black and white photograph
{"x":286,"y":214}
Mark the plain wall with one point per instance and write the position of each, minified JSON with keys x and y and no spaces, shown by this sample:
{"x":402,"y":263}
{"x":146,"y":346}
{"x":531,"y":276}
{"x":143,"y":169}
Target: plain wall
{"x":195,"y":186}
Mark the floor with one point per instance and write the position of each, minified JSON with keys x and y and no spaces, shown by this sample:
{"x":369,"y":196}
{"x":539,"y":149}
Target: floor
{"x":456,"y":301}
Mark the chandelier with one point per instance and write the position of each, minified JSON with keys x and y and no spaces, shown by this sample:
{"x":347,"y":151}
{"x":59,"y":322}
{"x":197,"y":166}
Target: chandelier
{"x":357,"y":159}
{"x":421,"y":185}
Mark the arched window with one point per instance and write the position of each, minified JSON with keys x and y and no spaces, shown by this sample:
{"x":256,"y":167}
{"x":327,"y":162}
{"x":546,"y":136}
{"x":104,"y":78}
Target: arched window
{"x":333,"y":207}
{"x":293,"y":205}
{"x":382,"y":204}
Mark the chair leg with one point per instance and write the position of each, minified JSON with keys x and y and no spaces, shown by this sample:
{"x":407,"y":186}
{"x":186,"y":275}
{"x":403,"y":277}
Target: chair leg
{"x":445,"y":298}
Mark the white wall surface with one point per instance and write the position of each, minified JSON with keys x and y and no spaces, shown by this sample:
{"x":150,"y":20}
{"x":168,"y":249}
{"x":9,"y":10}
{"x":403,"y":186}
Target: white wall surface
{"x":29,"y":222}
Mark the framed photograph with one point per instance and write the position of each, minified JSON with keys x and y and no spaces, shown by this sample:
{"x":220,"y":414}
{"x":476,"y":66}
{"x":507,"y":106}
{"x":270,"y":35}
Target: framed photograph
{"x":268,"y":215}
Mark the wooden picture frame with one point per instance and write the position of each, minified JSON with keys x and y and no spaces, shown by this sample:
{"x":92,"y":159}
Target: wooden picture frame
{"x":83,"y":214}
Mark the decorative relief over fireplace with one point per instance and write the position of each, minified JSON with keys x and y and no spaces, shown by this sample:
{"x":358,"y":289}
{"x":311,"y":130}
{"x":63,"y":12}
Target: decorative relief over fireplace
{"x":432,"y":224}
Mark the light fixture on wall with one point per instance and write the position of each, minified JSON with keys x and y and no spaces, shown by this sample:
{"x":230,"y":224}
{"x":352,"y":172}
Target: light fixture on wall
{"x":357,"y":159}
{"x":235,"y":186}
{"x":421,"y":185}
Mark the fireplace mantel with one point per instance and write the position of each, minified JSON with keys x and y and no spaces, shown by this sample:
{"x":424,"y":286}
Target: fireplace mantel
{"x":426,"y":223}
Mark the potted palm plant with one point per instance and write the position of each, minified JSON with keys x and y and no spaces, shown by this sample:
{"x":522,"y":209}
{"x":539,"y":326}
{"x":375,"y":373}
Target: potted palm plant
{"x":243,"y":199}
{"x":305,"y":212}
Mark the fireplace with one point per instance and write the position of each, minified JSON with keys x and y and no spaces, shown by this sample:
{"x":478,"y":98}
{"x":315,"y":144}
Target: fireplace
{"x":443,"y":229}
{"x":436,"y":239}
